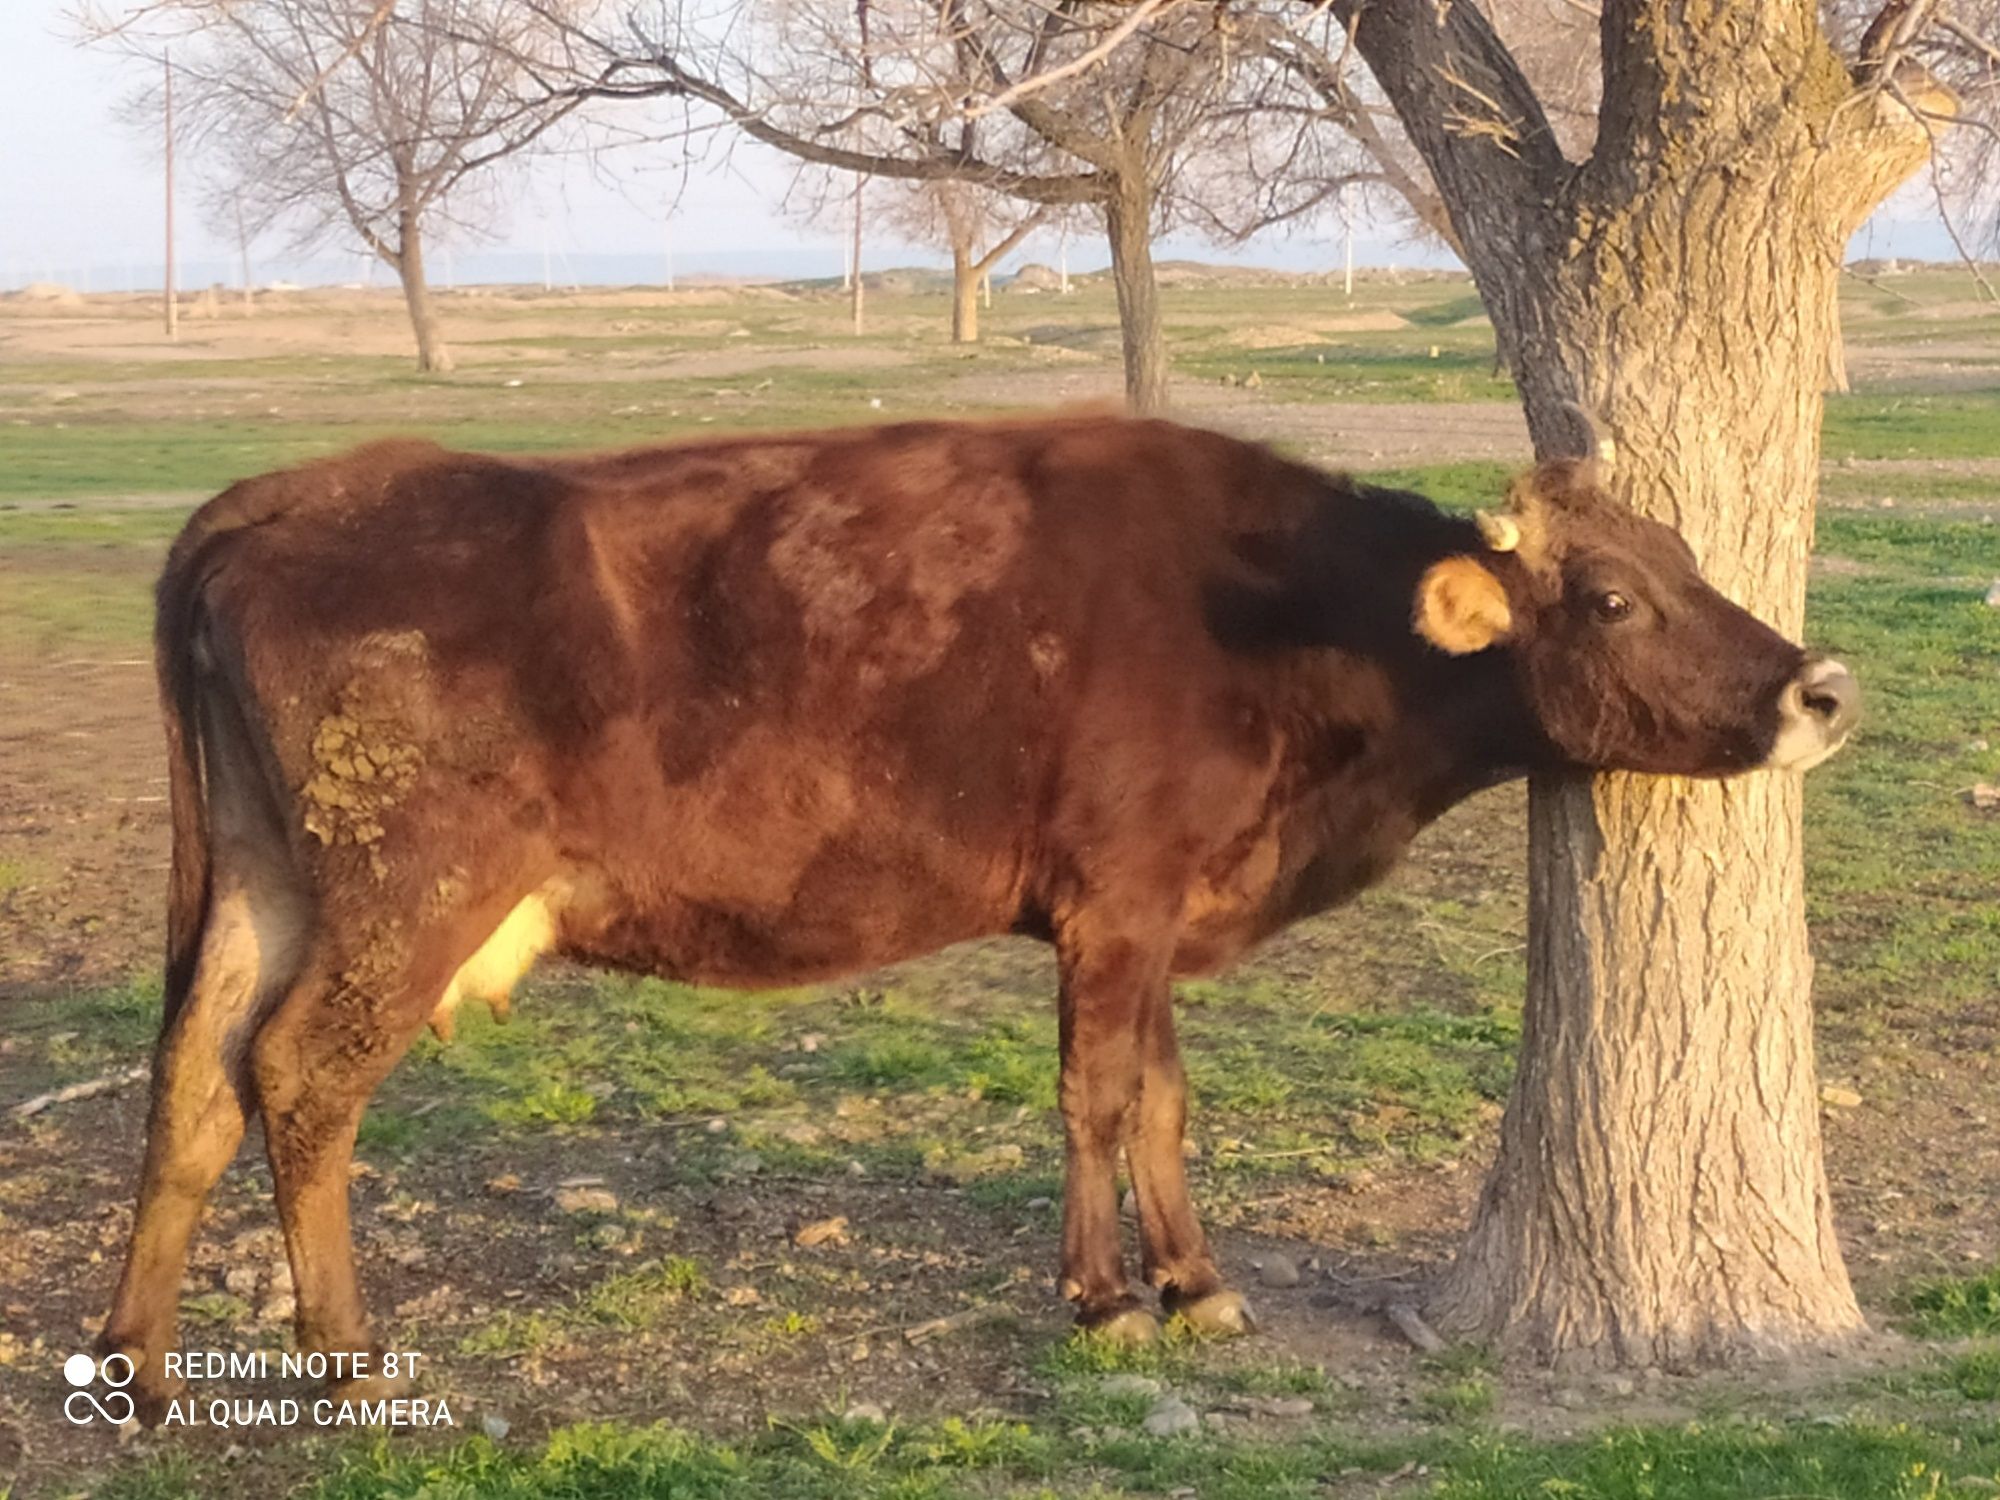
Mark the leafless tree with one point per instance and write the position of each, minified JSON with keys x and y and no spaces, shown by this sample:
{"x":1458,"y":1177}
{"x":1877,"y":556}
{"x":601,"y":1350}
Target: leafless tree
{"x":978,"y":226}
{"x":383,"y":119}
{"x":1053,"y":102}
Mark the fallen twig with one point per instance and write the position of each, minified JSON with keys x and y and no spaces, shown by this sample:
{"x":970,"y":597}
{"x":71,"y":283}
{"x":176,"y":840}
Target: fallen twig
{"x":920,"y":1333}
{"x":88,"y":1089}
{"x":971,"y":1317}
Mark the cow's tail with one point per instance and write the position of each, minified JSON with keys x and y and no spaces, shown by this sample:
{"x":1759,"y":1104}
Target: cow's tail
{"x":176,"y":642}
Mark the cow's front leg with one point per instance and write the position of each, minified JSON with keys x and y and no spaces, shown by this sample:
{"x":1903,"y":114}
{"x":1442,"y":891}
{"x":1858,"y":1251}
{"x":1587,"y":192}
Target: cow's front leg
{"x":1108,"y":984}
{"x":1175,"y":1252}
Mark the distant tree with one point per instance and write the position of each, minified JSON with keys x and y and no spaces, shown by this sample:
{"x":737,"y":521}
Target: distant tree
{"x":1055,"y":102}
{"x":383,"y":119}
{"x":978,"y":226}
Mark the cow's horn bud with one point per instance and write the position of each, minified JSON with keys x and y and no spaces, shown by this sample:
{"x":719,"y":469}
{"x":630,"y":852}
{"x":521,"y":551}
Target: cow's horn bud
{"x":1607,"y":452}
{"x":1502,"y":533}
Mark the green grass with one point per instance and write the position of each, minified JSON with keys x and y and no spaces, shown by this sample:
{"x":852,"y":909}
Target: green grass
{"x":1461,"y":1386}
{"x":1339,"y":370}
{"x":827,"y":1458}
{"x":1912,"y":425}
{"x":1733,"y":1461}
{"x":1948,"y":1307}
{"x":638,"y":1298}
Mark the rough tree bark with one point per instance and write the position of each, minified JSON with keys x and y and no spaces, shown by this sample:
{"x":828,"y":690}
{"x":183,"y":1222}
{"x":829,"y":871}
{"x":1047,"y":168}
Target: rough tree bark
{"x":1659,"y":1196}
{"x":1128,"y":224}
{"x":433,"y":356}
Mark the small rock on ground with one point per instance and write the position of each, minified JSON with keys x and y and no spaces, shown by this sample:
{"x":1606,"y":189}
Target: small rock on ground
{"x":1171,"y":1417}
{"x":586,"y":1200}
{"x":1278,"y":1271}
{"x":866,"y":1411}
{"x":831,"y":1231}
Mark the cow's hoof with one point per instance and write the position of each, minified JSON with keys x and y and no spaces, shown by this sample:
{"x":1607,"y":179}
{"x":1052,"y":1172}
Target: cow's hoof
{"x":1222,"y":1314}
{"x":1129,"y":1326}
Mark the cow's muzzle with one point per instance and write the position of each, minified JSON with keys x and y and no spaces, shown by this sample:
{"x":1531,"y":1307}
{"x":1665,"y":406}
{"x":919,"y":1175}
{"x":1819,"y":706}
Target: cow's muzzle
{"x":1816,"y":711}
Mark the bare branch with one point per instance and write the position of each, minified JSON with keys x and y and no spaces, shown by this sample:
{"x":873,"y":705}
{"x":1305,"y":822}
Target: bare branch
{"x":361,"y":39}
{"x":1047,"y":78}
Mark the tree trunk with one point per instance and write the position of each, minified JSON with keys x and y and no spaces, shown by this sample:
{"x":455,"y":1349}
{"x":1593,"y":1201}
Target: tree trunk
{"x":433,"y":358}
{"x":1659,"y":1196}
{"x":964,"y":296}
{"x":1128,"y":222}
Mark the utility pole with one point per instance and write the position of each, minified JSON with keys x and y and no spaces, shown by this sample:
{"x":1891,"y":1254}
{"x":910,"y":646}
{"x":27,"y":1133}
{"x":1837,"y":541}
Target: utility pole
{"x":1062,"y":258}
{"x":173,"y":307}
{"x":859,"y":184}
{"x":1347,"y":226}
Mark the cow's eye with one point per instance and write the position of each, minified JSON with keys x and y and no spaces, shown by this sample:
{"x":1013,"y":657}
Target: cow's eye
{"x":1611,"y":606}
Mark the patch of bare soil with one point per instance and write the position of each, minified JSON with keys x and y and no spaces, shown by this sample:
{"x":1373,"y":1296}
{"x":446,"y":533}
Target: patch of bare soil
{"x":473,"y":1259}
{"x":720,"y":364}
{"x":1285,"y":335}
{"x":1928,"y":364}
{"x":460,"y":1252}
{"x":357,"y":322}
{"x":1355,"y":434}
{"x":83,"y":819}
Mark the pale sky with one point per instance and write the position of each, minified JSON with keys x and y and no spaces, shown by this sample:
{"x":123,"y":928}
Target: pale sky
{"x":80,"y":201}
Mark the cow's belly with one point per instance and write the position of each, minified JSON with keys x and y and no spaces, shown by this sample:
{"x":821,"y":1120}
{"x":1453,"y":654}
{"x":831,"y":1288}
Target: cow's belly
{"x":857,"y":905}
{"x":789,"y":856}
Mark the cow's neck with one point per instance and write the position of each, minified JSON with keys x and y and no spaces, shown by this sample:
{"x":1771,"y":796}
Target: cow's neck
{"x":1387,"y":733}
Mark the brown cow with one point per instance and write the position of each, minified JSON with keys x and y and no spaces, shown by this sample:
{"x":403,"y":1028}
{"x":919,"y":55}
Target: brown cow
{"x":769,"y":710}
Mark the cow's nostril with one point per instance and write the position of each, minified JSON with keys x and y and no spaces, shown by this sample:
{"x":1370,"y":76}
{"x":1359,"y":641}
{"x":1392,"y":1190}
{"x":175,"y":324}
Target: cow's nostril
{"x":1818,"y":709}
{"x":1828,"y":692}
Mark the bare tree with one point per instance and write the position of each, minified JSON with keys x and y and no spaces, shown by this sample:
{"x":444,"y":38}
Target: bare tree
{"x":1313,"y":91}
{"x":976,"y":225}
{"x":1050,"y":101}
{"x":384,"y":119}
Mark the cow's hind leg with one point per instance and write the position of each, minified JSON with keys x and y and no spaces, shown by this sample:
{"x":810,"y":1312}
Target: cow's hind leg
{"x":252,"y":933}
{"x":1108,"y":983}
{"x":316,"y":1063}
{"x":1176,"y":1257}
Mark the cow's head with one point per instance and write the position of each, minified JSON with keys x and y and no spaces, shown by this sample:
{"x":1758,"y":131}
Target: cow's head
{"x":1628,"y":659}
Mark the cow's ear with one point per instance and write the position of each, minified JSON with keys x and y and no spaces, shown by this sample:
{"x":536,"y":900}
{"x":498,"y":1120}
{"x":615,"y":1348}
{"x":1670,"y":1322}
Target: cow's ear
{"x":1461,"y":607}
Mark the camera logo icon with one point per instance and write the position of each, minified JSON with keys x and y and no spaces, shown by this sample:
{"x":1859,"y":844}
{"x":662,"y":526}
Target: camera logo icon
{"x":81,"y":1371}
